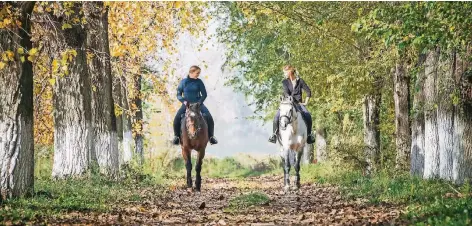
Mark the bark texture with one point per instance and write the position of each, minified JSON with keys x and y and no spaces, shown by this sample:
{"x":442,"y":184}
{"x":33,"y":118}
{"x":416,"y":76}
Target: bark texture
{"x":104,"y":139}
{"x":72,"y":99}
{"x":401,"y":96}
{"x":16,"y":109}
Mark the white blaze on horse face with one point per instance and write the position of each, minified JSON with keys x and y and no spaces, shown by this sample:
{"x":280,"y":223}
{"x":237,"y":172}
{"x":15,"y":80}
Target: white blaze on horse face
{"x":192,"y":114}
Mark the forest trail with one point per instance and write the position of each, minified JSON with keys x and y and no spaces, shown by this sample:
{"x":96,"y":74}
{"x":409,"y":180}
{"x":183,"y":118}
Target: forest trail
{"x":216,"y":205}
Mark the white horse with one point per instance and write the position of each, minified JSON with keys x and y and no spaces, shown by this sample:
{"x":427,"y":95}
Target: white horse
{"x":292,"y":139}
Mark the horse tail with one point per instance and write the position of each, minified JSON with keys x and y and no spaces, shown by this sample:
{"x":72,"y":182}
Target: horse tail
{"x":292,"y":155}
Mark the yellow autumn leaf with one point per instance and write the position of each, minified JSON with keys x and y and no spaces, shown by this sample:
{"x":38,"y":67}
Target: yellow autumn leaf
{"x":31,"y":58}
{"x":2,"y":65}
{"x":22,"y":58}
{"x":65,"y":26}
{"x":178,"y":5}
{"x":33,"y":51}
{"x":10,"y":55}
{"x":21,"y":51}
{"x":52,"y":81}
{"x":7,"y":21}
{"x":55,"y":65}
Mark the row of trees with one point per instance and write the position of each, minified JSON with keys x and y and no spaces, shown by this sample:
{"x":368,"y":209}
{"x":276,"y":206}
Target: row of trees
{"x":86,"y":62}
{"x":390,"y":80}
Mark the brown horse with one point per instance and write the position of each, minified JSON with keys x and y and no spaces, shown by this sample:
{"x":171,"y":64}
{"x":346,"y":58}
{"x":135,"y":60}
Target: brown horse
{"x":194,"y":137}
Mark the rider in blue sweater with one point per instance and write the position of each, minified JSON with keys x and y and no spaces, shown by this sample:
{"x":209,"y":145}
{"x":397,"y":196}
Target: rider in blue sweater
{"x":193,"y":91}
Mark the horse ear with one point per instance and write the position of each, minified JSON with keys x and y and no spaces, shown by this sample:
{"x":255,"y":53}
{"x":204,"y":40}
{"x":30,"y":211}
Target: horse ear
{"x":290,"y":98}
{"x":187,"y":104}
{"x":281,"y":98}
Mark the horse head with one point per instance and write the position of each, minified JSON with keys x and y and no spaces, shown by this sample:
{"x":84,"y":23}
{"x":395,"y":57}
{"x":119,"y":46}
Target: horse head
{"x":288,"y":112}
{"x":193,"y":119}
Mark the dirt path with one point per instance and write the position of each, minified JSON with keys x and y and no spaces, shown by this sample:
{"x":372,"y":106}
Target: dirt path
{"x":312,"y":204}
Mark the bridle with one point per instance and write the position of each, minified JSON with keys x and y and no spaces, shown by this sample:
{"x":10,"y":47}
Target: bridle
{"x":292,"y":116}
{"x":197,"y":123}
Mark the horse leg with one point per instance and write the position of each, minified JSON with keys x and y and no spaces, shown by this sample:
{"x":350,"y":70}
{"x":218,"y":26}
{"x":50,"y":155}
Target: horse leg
{"x":286,"y":163}
{"x":297,"y":168}
{"x":198,"y":168}
{"x":186,"y":153}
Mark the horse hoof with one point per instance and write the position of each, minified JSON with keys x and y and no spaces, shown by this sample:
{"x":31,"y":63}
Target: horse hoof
{"x":189,"y":189}
{"x":295,"y":188}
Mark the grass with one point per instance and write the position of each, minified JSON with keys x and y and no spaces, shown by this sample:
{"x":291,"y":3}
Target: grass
{"x":247,"y":200}
{"x":427,"y":202}
{"x":54,"y":198}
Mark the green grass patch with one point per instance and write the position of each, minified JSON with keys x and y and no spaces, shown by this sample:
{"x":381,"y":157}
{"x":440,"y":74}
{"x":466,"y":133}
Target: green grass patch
{"x":247,"y":200}
{"x":59,"y":197}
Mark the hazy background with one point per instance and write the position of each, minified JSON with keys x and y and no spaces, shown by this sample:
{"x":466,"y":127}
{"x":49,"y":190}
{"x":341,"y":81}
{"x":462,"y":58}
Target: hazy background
{"x":235,"y":133}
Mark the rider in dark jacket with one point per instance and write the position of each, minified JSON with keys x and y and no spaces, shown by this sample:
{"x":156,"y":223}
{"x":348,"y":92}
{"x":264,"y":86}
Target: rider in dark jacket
{"x":293,"y":86}
{"x":193,"y":91}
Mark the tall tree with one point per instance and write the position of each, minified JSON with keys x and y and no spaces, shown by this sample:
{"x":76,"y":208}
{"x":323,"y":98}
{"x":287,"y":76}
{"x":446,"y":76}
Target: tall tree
{"x":462,"y":151}
{"x":431,"y":147}
{"x":72,"y":95}
{"x":16,"y":100}
{"x":138,"y":119}
{"x":417,"y":134}
{"x":104,"y":139}
{"x":445,"y":113}
{"x":401,"y":94}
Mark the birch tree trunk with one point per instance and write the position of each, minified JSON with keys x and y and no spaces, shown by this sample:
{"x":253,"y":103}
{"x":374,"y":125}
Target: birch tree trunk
{"x":462,"y":151}
{"x":16,"y":108}
{"x":431,"y":147}
{"x":104,"y":140}
{"x":72,"y":109}
{"x":320,"y":143}
{"x":371,"y":110}
{"x":445,"y":86}
{"x":417,"y":129}
{"x":138,"y":120}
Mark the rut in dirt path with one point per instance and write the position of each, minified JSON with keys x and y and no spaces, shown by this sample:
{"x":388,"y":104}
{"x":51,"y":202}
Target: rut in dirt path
{"x":312,"y":204}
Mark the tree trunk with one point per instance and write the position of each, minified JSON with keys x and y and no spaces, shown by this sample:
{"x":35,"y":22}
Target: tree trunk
{"x":117,"y":100}
{"x":307,"y":157}
{"x":127,"y":130}
{"x":462,"y":151}
{"x":72,"y":109}
{"x":104,"y":138}
{"x":401,"y":96}
{"x":431,"y":166}
{"x":417,"y":146}
{"x":445,"y":87}
{"x":371,"y":127}
{"x":123,"y":124}
{"x":16,"y":108}
{"x":138,"y":120}
{"x":320,"y":143}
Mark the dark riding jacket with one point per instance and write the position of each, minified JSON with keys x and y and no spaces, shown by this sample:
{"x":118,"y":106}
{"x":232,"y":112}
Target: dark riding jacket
{"x":193,"y":90}
{"x":296,"y":91}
